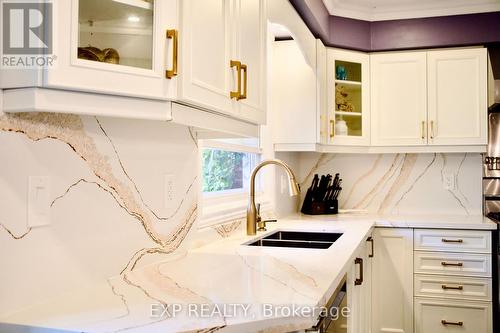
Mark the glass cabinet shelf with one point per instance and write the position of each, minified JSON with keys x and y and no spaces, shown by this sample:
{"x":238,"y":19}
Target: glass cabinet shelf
{"x":118,"y":32}
{"x":346,"y":82}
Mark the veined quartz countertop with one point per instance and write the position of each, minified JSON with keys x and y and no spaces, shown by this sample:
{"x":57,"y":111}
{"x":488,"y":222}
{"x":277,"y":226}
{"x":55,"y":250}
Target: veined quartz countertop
{"x":427,"y":221}
{"x":225,"y":285}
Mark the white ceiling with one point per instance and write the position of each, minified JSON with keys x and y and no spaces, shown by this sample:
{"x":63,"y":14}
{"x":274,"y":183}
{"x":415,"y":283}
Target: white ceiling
{"x":381,"y":10}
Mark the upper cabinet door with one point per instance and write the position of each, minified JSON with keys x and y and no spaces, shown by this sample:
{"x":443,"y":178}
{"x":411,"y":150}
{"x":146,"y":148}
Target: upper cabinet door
{"x":348,"y":97}
{"x":207,"y":76}
{"x":114,"y":47}
{"x":250,"y":48}
{"x":399,"y":99}
{"x":457,"y":97}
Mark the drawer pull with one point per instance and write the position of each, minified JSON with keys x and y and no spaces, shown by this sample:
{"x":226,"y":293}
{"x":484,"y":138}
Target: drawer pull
{"x":370,"y":239}
{"x":359,"y":261}
{"x":458,"y":264}
{"x":445,"y":287}
{"x":456,"y":323}
{"x":444,"y":240}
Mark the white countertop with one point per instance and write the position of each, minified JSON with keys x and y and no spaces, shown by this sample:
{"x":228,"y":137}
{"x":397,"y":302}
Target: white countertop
{"x":226,"y":272}
{"x":465,"y":222}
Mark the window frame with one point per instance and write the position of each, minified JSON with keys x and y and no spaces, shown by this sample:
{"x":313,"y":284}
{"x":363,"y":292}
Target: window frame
{"x":223,"y":206}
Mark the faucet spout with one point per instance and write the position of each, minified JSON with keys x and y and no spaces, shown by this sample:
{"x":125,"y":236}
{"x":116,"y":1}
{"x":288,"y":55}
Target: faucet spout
{"x":252,"y":213}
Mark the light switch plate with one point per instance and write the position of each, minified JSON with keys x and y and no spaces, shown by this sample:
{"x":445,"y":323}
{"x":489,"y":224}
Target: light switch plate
{"x":38,"y":201}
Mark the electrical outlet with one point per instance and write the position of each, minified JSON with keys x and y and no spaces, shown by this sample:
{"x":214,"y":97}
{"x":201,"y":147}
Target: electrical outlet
{"x":38,"y":201}
{"x":449,"y":181}
{"x":169,"y":190}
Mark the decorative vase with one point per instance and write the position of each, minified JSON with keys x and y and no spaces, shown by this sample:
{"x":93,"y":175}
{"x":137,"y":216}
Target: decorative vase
{"x":341,"y":128}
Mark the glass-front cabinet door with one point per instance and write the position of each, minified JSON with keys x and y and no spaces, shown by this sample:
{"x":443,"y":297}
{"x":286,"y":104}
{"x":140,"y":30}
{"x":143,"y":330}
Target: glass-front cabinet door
{"x":116,"y":32}
{"x":348,"y":98}
{"x":122,"y":47}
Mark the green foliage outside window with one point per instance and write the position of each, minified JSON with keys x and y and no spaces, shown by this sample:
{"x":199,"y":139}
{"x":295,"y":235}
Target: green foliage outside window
{"x":222,"y":170}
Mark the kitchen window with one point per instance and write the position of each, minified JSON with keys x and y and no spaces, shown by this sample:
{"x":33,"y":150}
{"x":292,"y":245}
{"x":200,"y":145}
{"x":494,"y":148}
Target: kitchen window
{"x":226,"y":167}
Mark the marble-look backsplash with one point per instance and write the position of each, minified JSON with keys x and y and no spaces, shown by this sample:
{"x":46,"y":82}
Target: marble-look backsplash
{"x":401,"y":183}
{"x":108,"y":212}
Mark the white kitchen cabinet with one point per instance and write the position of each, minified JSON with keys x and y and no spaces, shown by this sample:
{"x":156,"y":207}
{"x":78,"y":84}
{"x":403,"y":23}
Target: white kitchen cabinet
{"x":457,"y":96}
{"x":399,"y":98}
{"x":357,"y":300}
{"x":128,"y":38}
{"x":453,"y":284}
{"x":224,"y":56}
{"x":292,"y":101}
{"x":251,"y":49}
{"x":360,"y":284}
{"x":433,"y":98}
{"x":392,"y":281}
{"x":446,"y":315}
{"x":167,"y":50}
{"x":348,"y":81}
{"x":474,"y":241}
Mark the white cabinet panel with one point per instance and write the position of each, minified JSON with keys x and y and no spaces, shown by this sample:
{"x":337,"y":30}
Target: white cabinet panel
{"x":392,"y":281}
{"x":453,"y":240}
{"x":445,"y":316}
{"x":207,"y":78}
{"x":292,"y":102}
{"x":359,"y":281}
{"x":457,"y":98}
{"x":398,"y":103}
{"x":453,"y":287}
{"x":251,"y":50}
{"x":464,"y":264}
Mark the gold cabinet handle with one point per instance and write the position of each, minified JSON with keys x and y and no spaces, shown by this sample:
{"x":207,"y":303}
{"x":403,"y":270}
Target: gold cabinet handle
{"x":236,"y":94}
{"x":444,"y":240}
{"x":422,"y":131}
{"x":332,"y":128}
{"x":456,"y":323}
{"x":458,"y":264}
{"x":174,"y":35}
{"x":245,"y":72}
{"x":445,"y":287}
{"x":432,"y":129}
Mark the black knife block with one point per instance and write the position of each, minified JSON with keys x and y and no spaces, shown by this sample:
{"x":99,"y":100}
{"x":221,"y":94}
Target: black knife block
{"x":321,"y":207}
{"x":321,"y":197}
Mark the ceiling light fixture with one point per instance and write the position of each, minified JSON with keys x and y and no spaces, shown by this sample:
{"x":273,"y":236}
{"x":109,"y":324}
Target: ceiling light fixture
{"x":133,"y":18}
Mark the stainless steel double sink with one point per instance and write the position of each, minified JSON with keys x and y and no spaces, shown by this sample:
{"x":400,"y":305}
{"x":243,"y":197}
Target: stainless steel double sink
{"x":297,"y":239}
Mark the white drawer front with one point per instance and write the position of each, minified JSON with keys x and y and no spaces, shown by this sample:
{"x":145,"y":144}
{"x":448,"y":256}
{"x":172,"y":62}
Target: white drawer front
{"x":453,"y":287}
{"x":448,"y":316}
{"x":466,"y":264}
{"x":452,"y":240}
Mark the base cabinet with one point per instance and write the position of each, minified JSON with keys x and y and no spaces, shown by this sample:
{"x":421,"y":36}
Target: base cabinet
{"x":357,"y":300}
{"x":392,"y":281}
{"x":444,"y":316}
{"x":453,"y":281}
